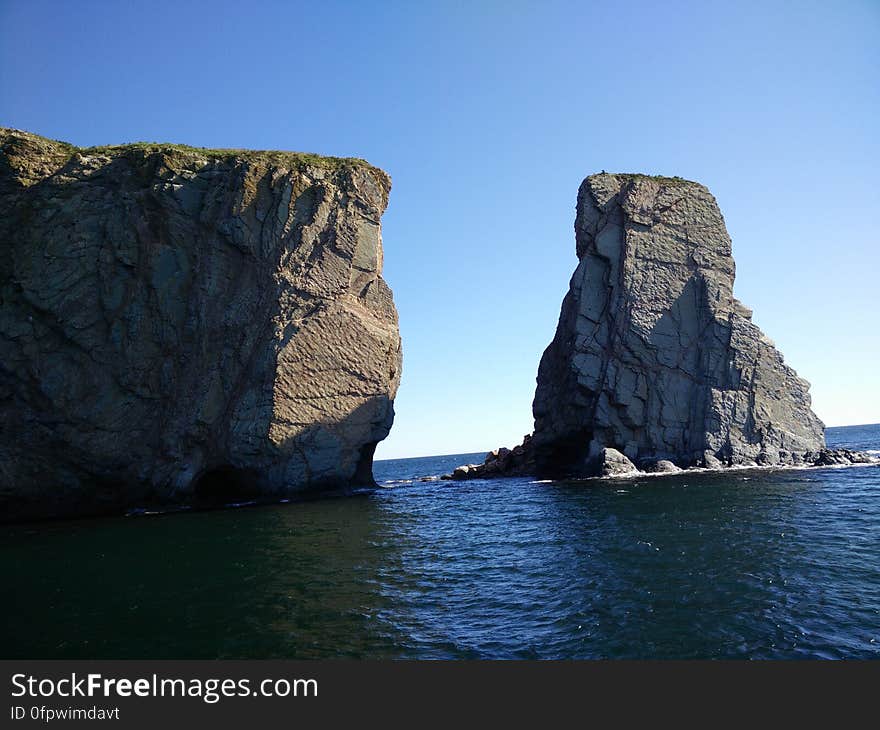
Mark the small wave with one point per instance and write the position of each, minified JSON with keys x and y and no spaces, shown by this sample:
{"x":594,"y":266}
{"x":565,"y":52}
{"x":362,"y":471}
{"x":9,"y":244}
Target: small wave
{"x":144,"y":512}
{"x":389,"y":483}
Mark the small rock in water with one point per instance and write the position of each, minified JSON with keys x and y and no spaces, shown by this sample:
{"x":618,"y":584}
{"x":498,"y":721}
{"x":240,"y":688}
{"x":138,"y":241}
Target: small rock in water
{"x":464,"y":472}
{"x":663,"y":466}
{"x":612,"y":463}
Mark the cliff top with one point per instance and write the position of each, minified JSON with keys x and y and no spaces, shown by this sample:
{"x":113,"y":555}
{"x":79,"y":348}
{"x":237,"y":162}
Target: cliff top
{"x":294,"y":160}
{"x":633,"y":176}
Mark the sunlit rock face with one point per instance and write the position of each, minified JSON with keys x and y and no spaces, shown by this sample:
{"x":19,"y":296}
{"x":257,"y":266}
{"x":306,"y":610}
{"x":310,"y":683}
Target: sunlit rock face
{"x":653,"y":355}
{"x":176,"y":322}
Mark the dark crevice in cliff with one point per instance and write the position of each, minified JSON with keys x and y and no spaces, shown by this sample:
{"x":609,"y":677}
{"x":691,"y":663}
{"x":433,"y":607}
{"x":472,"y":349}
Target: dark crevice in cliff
{"x":565,"y":456}
{"x":363,"y":475}
{"x":223,"y":484}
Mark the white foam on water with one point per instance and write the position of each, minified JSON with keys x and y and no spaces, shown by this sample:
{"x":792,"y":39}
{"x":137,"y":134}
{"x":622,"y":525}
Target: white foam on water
{"x":639,"y":475}
{"x":390,"y":483}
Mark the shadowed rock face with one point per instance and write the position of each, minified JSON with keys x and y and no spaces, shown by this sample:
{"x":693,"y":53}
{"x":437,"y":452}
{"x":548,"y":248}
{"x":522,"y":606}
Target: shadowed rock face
{"x":653,"y":356}
{"x":181,"y":324}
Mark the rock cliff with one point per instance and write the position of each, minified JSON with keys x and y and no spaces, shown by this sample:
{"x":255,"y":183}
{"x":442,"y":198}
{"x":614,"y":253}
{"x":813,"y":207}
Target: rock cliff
{"x":180,"y":324}
{"x":655,"y":364}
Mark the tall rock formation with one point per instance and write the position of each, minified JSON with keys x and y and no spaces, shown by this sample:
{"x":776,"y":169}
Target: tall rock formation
{"x":655,"y":364}
{"x":179,"y":324}
{"x":653,"y":356}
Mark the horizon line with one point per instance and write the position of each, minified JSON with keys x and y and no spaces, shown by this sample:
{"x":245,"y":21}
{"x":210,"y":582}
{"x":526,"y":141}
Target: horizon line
{"x":480,"y":451}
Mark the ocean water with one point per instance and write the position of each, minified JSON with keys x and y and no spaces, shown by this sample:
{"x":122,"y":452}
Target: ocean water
{"x":751,"y":564}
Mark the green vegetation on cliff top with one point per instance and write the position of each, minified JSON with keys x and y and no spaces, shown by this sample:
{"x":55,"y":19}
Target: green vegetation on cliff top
{"x":296,"y":160}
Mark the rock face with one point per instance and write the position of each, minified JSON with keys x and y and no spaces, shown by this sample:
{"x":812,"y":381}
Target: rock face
{"x":655,"y":364}
{"x":653,"y":355}
{"x":180,"y":324}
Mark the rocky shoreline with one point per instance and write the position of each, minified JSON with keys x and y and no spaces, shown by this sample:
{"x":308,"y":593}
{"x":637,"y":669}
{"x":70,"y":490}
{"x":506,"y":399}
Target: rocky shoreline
{"x":517,"y":462}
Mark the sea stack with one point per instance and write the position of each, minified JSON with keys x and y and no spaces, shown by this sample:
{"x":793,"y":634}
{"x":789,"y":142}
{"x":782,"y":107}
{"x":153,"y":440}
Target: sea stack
{"x":655,"y":365}
{"x":180,"y":324}
{"x":653,"y":355}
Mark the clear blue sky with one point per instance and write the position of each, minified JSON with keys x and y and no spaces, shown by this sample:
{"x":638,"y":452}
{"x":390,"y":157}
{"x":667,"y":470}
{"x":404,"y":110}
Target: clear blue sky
{"x":488,"y":115}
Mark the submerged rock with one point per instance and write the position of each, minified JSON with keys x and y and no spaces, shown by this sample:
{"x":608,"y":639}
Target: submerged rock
{"x":179,"y":324}
{"x":654,"y":359}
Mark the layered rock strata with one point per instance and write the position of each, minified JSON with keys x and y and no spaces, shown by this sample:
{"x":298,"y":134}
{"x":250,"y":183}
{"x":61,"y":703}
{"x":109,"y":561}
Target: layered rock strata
{"x":181,"y":324}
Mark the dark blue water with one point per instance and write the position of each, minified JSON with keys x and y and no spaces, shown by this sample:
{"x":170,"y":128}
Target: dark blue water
{"x":759,"y":564}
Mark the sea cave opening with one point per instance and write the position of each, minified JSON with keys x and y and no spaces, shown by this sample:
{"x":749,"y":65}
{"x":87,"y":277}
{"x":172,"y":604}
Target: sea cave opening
{"x":363,"y":475}
{"x":223,"y":484}
{"x":559,"y":459}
